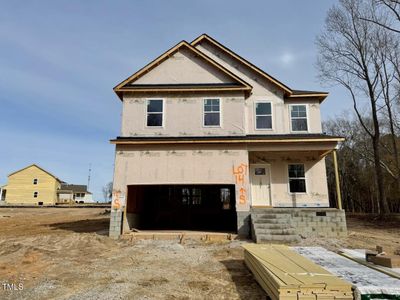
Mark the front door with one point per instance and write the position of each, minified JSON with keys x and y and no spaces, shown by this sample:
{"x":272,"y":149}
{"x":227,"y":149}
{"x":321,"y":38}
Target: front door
{"x":260,"y":185}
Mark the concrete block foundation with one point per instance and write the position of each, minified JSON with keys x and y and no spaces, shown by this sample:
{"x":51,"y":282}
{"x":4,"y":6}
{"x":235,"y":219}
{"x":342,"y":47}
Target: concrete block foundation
{"x":289,"y":224}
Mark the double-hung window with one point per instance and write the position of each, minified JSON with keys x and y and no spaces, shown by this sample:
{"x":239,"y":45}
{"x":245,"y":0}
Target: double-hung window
{"x":298,"y":117}
{"x":212,"y":112}
{"x":297,"y":178}
{"x":263,"y":115}
{"x":155,"y":113}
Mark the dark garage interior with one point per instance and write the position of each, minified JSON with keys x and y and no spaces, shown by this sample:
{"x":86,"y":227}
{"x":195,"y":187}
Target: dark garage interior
{"x":182,"y":207}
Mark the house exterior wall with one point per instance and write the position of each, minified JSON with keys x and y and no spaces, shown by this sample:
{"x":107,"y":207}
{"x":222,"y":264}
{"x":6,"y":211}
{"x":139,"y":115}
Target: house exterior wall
{"x":179,"y":164}
{"x":182,"y":164}
{"x":264,"y":91}
{"x":20,"y":187}
{"x":238,"y":112}
{"x":184,"y":67}
{"x":183,"y":115}
{"x":218,"y":164}
{"x":65,"y":197}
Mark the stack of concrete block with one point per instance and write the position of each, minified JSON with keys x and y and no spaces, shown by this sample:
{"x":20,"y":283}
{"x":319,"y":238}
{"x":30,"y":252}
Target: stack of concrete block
{"x":115,"y":223}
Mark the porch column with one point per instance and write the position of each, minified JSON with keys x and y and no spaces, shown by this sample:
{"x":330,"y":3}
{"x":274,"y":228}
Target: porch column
{"x":337,"y":180}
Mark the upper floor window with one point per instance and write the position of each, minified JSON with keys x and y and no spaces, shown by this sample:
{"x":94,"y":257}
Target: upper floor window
{"x":297,"y":178}
{"x":212,"y":112}
{"x":35,"y":194}
{"x":298,"y":117}
{"x":35,"y":181}
{"x":263,"y":115}
{"x":155,"y":113}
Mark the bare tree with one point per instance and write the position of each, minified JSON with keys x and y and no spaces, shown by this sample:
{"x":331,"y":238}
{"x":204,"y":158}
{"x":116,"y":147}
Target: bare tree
{"x":355,"y":155}
{"x":107,"y":191}
{"x":389,"y":17}
{"x":349,"y":56}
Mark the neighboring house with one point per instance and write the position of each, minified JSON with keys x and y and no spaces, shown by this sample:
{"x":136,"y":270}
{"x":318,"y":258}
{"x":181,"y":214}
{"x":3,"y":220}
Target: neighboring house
{"x":34,"y":185}
{"x":73,"y":193}
{"x":31,"y":185}
{"x":3,"y":193}
{"x":209,"y":141}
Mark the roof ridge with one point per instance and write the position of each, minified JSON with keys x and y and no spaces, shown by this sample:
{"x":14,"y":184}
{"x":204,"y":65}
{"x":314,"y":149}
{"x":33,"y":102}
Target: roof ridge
{"x":169,"y":52}
{"x":290,"y":92}
{"x":37,"y":166}
{"x":245,"y":61}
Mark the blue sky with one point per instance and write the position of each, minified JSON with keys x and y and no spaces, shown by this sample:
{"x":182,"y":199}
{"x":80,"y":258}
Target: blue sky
{"x":59,"y":61}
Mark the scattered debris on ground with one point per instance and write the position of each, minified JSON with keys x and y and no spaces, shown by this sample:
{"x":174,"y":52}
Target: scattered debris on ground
{"x":66,"y":253}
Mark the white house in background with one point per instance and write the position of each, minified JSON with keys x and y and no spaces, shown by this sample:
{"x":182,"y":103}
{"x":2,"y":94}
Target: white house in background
{"x":74,"y":193}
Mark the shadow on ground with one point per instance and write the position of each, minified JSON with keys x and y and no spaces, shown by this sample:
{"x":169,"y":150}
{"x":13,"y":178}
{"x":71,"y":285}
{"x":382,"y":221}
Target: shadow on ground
{"x":99,"y":226}
{"x":246,"y":285}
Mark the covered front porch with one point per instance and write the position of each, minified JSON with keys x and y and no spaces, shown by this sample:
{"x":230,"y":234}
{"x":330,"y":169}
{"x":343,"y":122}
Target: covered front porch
{"x":291,"y":178}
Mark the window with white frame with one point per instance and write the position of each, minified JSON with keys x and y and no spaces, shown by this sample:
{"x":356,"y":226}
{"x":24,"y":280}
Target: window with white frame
{"x":263,"y":115}
{"x":79,"y":195}
{"x":35,"y":181}
{"x":35,"y":194}
{"x":297,"y":178}
{"x":155,"y":113}
{"x":298,"y":117}
{"x":212,"y":112}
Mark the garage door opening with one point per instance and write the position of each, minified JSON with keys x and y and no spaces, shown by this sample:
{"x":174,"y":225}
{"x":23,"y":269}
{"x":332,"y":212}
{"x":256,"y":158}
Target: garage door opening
{"x":182,"y":207}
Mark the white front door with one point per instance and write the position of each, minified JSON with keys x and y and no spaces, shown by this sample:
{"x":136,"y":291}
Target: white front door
{"x":260,"y":185}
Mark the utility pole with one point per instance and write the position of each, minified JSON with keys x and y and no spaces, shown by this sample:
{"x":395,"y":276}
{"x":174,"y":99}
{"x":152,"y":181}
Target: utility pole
{"x":88,"y":180}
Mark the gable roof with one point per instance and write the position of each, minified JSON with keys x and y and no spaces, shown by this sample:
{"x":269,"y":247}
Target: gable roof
{"x":35,"y":165}
{"x":126,"y":85}
{"x":75,"y":188}
{"x":289,"y":93}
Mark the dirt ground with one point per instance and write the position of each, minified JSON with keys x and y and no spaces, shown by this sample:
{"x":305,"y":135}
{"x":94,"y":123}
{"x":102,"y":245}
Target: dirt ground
{"x":54,"y":253}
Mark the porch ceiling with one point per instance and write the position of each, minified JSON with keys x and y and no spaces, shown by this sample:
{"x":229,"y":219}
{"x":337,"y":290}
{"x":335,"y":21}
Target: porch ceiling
{"x":290,"y":154}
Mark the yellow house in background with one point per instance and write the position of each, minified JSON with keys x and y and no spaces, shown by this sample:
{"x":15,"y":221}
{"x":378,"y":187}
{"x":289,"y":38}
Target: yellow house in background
{"x":31,"y":185}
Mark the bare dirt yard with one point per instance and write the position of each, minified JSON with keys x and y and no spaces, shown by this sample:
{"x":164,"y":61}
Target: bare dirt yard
{"x":64,"y":253}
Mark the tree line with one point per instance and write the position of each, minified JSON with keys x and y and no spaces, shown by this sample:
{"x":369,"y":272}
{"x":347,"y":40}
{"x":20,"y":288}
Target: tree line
{"x":359,"y":49}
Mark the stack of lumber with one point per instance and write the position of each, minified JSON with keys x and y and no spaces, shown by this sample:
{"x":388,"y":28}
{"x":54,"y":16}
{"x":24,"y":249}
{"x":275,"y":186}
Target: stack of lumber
{"x":286,"y":275}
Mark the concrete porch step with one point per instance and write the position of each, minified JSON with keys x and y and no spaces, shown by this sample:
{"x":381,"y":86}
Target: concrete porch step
{"x":270,"y":221}
{"x":285,"y":231}
{"x":273,"y":210}
{"x":265,"y":238}
{"x":270,"y":215}
{"x":271,"y":226}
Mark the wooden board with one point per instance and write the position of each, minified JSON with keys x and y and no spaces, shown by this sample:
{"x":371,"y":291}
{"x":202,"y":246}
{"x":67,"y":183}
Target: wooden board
{"x":285,"y":274}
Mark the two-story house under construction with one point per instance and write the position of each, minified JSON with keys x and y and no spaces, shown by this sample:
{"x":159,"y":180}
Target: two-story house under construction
{"x":211,"y":142}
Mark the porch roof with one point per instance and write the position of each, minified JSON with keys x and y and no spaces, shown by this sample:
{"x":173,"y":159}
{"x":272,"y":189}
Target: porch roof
{"x":237,"y":139}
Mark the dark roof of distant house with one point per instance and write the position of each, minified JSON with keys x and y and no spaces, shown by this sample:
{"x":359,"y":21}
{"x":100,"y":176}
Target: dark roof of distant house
{"x":76,"y":188}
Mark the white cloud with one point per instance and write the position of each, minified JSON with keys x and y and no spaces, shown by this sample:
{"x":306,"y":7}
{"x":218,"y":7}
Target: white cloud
{"x":287,"y":58}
